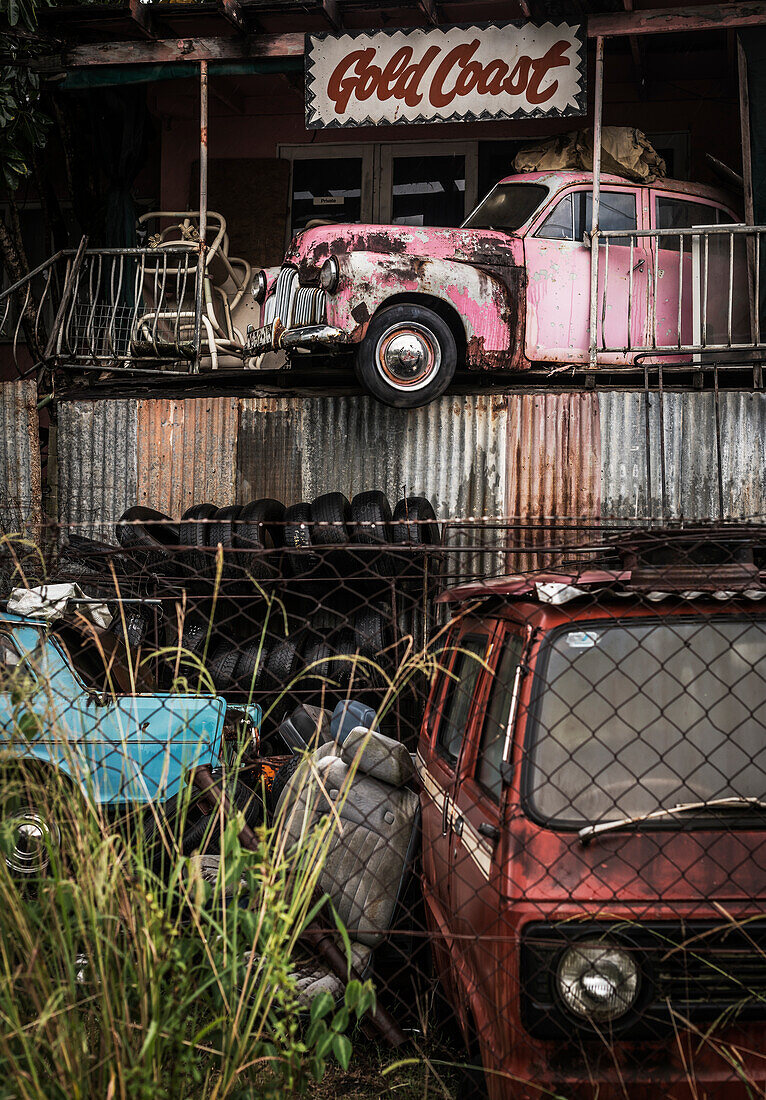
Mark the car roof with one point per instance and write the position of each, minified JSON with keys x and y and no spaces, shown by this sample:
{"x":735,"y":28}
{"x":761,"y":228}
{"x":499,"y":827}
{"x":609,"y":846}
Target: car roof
{"x":560,"y":179}
{"x":603,"y":586}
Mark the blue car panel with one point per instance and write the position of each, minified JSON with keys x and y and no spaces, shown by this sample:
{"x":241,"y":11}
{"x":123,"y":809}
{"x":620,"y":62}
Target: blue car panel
{"x":123,"y":749}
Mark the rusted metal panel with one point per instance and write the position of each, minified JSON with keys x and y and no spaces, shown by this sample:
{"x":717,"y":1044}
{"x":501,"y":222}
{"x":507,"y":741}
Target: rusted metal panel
{"x":554,"y":457}
{"x":269,"y":450}
{"x":451,"y":451}
{"x":630,"y":491}
{"x":186,"y":452}
{"x":20,"y":479}
{"x":554,"y":470}
{"x":96,"y":451}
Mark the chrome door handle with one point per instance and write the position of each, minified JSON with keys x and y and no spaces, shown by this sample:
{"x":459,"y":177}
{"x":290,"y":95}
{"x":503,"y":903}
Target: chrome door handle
{"x":457,"y":826}
{"x":639,"y":266}
{"x":490,"y":831}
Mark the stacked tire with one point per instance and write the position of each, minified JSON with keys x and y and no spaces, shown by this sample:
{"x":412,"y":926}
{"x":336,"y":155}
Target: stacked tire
{"x":279,"y":594}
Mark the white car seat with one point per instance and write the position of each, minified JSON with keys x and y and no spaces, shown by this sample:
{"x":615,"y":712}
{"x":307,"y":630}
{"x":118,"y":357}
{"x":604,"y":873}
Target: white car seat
{"x":370,"y":852}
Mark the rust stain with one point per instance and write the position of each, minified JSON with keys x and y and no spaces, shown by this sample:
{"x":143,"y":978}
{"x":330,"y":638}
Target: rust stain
{"x":186,"y":452}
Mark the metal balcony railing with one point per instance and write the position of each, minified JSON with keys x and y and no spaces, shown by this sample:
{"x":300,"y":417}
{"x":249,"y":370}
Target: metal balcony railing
{"x":680,"y":294}
{"x":106,"y":308}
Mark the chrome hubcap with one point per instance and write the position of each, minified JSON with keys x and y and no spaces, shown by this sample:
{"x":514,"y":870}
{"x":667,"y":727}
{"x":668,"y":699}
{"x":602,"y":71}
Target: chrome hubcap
{"x":407,"y":355}
{"x":28,"y":842}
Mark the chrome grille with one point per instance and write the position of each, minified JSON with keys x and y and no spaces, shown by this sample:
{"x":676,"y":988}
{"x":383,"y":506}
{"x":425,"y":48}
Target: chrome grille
{"x":294,"y":305}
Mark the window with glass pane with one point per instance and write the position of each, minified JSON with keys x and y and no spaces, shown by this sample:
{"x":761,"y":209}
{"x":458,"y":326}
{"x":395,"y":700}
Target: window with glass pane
{"x":326,"y":191}
{"x":496,"y":722}
{"x":559,"y":225}
{"x":680,"y":214}
{"x":428,"y":190}
{"x":457,"y":704}
{"x":638,"y":716}
{"x":617,"y":210}
{"x":9,"y":655}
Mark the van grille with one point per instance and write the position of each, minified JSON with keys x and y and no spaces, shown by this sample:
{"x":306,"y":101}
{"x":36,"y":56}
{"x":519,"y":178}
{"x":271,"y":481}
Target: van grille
{"x":294,"y":305}
{"x":696,"y":969}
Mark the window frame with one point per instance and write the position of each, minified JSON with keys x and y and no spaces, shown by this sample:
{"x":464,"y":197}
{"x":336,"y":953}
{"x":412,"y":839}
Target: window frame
{"x":451,"y":687}
{"x":580,"y":189}
{"x":511,"y":634}
{"x":539,"y":670}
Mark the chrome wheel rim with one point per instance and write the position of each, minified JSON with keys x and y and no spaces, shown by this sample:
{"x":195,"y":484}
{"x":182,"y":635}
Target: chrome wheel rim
{"x":28,"y":841}
{"x":407,"y":356}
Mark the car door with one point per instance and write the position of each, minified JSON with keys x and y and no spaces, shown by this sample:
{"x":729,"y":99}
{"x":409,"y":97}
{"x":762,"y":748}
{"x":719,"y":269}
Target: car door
{"x":448,"y":717}
{"x":557,"y":259}
{"x":697,"y":279}
{"x":476,"y":830}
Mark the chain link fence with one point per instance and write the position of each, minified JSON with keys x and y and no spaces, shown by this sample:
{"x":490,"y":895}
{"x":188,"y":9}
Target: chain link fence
{"x":553,"y":835}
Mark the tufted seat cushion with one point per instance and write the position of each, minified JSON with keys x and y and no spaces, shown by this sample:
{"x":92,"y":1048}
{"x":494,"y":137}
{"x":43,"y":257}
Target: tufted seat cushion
{"x":363,"y":781}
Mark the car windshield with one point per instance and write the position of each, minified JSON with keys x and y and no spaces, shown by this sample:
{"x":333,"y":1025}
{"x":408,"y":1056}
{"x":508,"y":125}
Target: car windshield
{"x":634,"y":716}
{"x":507,"y":207}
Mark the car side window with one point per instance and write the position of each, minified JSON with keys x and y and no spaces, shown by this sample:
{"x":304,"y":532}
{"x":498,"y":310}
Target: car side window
{"x":559,"y":225}
{"x":460,"y":691}
{"x":682,"y":214}
{"x":10,"y":657}
{"x":571,"y":218}
{"x":495,"y":727}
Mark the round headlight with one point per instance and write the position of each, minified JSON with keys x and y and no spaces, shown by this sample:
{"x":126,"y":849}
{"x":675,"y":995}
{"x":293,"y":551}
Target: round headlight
{"x":329,"y":275}
{"x":597,"y":981}
{"x":260,"y":286}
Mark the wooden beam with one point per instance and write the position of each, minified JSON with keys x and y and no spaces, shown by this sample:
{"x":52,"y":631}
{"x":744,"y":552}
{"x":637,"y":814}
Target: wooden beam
{"x":637,"y":52}
{"x":332,"y":14}
{"x":245,"y":48}
{"x":144,"y":19}
{"x":428,"y":7}
{"x":232,"y":13}
{"x":708,"y":17}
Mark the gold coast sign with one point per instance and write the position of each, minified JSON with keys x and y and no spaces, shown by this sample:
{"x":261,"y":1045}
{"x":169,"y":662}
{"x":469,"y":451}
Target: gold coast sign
{"x":449,"y":74}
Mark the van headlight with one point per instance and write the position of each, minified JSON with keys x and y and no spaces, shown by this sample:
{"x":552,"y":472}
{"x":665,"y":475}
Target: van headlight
{"x":260,"y":286}
{"x":329,"y":275}
{"x":597,"y":981}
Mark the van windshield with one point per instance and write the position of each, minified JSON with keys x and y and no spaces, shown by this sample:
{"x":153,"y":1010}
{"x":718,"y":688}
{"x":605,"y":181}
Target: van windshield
{"x":508,"y":206}
{"x":634,"y":716}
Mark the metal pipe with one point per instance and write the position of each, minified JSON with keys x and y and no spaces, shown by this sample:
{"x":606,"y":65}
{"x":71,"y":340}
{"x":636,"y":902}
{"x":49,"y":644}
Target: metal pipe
{"x":203,"y":114}
{"x":598,"y":111}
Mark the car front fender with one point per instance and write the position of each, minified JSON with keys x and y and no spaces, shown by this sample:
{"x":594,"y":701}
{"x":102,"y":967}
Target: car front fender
{"x":485,"y":304}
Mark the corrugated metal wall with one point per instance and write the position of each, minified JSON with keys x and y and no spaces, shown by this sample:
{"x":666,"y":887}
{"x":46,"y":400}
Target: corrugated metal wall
{"x":20,"y":479}
{"x":690,"y":448}
{"x":556,"y":456}
{"x":96,"y":450}
{"x":452,"y":451}
{"x":186,"y":452}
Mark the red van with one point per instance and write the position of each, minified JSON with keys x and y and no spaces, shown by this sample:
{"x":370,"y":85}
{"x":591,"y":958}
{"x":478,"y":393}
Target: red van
{"x":593,"y":766}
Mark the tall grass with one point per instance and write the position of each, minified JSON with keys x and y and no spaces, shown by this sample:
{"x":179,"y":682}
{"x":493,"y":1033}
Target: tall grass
{"x":129,"y":970}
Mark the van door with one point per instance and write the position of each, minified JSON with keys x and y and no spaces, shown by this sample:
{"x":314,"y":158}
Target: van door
{"x":557,"y":259}
{"x":477,"y":837}
{"x":449,"y":718}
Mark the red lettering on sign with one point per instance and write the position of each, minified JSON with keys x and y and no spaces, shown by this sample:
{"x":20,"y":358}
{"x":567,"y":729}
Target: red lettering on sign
{"x":340,"y":90}
{"x":458,"y":74}
{"x":553,"y":59}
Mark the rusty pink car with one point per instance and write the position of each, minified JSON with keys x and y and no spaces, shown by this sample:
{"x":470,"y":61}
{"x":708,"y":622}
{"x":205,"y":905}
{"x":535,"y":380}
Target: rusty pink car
{"x":507,"y":291}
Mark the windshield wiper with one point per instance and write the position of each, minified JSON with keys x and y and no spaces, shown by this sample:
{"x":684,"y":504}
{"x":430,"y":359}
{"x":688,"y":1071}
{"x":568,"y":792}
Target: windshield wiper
{"x":733,"y":803}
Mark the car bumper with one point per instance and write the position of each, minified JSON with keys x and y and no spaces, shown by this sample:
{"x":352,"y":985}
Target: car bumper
{"x":306,"y":337}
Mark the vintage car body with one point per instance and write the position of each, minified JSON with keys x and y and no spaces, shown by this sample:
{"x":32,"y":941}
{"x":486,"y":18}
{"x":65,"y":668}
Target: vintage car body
{"x":118,"y":749}
{"x":509,"y":296}
{"x":511,"y":887}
